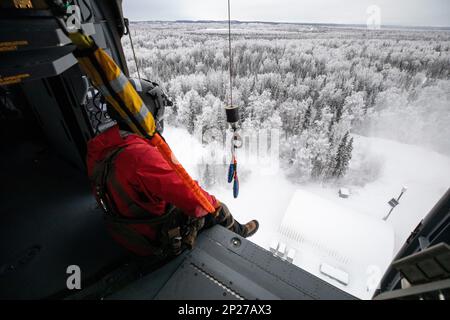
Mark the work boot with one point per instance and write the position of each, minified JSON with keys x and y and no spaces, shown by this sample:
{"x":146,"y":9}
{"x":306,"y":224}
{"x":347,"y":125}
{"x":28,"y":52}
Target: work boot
{"x":250,"y":228}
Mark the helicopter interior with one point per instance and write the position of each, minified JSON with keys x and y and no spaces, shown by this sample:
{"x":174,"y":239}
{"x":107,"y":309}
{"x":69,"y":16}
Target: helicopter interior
{"x":50,"y":220}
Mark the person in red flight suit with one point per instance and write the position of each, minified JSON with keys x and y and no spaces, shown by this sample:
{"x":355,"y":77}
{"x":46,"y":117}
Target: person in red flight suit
{"x":148,"y":208}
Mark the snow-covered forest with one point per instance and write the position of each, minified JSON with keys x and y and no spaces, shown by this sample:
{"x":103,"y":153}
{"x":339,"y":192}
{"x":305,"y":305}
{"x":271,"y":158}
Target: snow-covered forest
{"x":318,"y":85}
{"x":368,"y":110}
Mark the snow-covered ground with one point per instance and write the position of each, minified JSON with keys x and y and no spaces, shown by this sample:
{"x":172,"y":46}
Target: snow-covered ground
{"x":236,"y":31}
{"x":267,"y":197}
{"x":426,"y":174}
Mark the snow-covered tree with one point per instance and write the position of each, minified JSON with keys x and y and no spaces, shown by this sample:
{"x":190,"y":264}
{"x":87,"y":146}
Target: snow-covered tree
{"x":317,"y":86}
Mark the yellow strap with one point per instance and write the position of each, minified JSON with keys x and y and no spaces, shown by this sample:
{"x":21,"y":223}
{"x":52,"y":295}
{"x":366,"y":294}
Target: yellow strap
{"x":123,"y":89}
{"x":81,"y":41}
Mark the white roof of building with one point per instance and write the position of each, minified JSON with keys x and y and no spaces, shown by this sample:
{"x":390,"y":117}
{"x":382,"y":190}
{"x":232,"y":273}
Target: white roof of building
{"x":323,"y":232}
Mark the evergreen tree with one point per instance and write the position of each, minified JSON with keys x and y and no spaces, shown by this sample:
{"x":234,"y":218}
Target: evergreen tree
{"x":340,"y":158}
{"x":381,"y":81}
{"x":307,"y":119}
{"x":343,"y":156}
{"x":348,"y":156}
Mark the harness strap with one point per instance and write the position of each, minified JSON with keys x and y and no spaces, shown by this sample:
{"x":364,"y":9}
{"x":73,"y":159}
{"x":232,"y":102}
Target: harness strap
{"x":132,"y":207}
{"x":169,"y":241}
{"x":104,"y":173}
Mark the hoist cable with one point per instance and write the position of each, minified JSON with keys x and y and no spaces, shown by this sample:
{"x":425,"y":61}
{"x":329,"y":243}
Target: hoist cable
{"x":232,"y":118}
{"x":230,"y":52}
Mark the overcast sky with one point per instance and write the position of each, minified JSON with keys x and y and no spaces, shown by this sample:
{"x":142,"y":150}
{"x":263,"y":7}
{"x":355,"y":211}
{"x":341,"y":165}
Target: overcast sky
{"x":393,"y":12}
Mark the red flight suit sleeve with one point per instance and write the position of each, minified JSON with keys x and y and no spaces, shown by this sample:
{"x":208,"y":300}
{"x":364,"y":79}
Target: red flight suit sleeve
{"x":157,"y":178}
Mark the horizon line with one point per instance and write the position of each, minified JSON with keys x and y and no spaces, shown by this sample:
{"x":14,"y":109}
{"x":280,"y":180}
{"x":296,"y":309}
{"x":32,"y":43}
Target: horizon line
{"x":292,"y":23}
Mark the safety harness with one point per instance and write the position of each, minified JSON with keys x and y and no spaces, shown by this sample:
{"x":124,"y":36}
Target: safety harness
{"x":175,"y":231}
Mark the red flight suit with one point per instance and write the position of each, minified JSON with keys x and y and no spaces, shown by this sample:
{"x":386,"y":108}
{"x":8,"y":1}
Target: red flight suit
{"x":146,"y":178}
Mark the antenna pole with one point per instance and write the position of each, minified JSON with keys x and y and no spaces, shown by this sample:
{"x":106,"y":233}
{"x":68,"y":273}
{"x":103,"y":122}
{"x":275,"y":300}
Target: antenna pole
{"x":132,"y":49}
